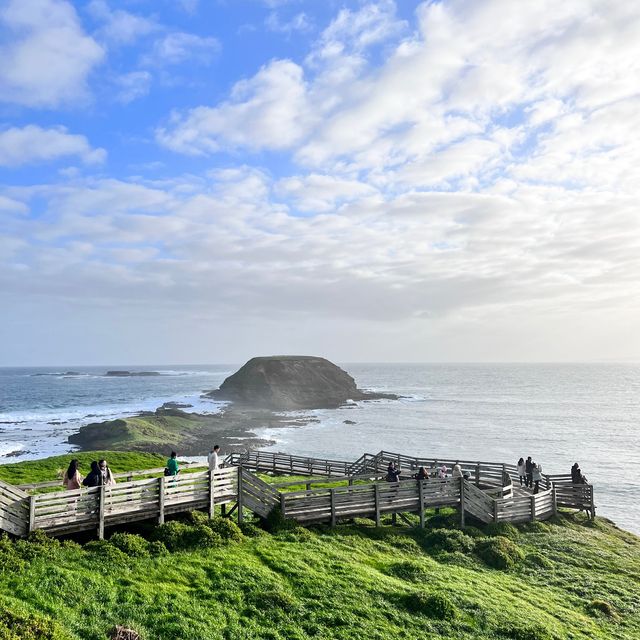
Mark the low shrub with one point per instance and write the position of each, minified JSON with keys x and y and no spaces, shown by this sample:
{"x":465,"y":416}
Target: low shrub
{"x":473,"y":532}
{"x":295,"y":534}
{"x":203,"y":536}
{"x":409,"y":570}
{"x":434,"y":605}
{"x":504,"y":529}
{"x":538,"y":560}
{"x":107,"y":552}
{"x":157,"y":548}
{"x":10,"y":561}
{"x":174,"y":535}
{"x":523,"y":632}
{"x":403,"y":543}
{"x":499,"y":552}
{"x":447,"y":540}
{"x":226,"y":528}
{"x":36,"y":544}
{"x":17,"y":624}
{"x":250,"y":530}
{"x":133,"y":545}
{"x":602,"y":607}
{"x":274,"y":522}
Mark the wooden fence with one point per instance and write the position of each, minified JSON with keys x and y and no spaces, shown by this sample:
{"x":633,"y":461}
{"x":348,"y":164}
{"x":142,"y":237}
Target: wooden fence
{"x":487,"y":494}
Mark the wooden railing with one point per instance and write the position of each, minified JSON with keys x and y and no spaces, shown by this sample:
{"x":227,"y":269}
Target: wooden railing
{"x":81,"y":509}
{"x":488,"y":494}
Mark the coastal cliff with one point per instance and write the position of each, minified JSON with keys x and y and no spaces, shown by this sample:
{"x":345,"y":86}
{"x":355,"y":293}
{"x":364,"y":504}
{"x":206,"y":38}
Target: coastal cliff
{"x":289,"y":383}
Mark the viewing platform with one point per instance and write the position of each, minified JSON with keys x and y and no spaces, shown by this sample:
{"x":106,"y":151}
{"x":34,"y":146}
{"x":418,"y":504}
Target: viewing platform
{"x":489,"y":492}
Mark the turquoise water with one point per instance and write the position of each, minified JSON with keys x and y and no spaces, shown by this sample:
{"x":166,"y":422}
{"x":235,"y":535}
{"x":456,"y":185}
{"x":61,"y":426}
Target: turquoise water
{"x":558,"y":414}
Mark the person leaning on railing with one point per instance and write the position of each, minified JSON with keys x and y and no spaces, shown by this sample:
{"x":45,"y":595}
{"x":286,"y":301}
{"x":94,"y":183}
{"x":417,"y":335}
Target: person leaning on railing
{"x":72,"y":478}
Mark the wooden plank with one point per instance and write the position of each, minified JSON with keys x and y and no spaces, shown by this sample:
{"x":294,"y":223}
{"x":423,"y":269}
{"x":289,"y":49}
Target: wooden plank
{"x":161,"y":496}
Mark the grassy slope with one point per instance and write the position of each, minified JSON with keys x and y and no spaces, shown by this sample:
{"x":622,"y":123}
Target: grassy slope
{"x":140,"y":432}
{"x":49,"y":468}
{"x":353,"y":582}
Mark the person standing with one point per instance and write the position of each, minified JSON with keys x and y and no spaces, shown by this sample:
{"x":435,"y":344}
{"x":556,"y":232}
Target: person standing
{"x":172,"y":465}
{"x":94,"y":477}
{"x":576,"y":474}
{"x":536,"y":474}
{"x":522,"y":473}
{"x":72,"y":478}
{"x":107,"y":476}
{"x":528,"y":469}
{"x":214,"y":458}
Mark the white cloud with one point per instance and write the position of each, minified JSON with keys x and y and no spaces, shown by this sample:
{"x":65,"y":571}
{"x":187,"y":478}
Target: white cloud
{"x":298,"y":23}
{"x":30,"y":144}
{"x":119,"y":26}
{"x":178,"y":47}
{"x":133,"y":85}
{"x":268,"y":110}
{"x":46,"y":57}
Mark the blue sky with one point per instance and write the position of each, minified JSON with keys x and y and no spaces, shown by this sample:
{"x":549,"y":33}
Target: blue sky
{"x":207,"y":180}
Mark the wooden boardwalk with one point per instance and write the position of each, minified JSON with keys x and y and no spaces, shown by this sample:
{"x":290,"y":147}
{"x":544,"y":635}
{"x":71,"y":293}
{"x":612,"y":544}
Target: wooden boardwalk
{"x":489,"y":494}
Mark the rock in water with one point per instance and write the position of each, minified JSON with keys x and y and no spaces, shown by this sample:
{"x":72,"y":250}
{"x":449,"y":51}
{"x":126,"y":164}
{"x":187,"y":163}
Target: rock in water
{"x":285,"y":383}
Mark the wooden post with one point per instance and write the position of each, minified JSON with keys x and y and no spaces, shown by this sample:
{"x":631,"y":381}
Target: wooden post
{"x":554,"y":500}
{"x":101,"y":499}
{"x":239,"y":499}
{"x":161,"y":490}
{"x":462,"y":502}
{"x":478,"y":474}
{"x":212,"y":493}
{"x":421,"y":499}
{"x":283,"y":505}
{"x":32,"y":514}
{"x":332,"y":495}
{"x":533,"y":508}
{"x":308,"y":486}
{"x":351,"y":482}
{"x":495,"y":511}
{"x":376,"y":497}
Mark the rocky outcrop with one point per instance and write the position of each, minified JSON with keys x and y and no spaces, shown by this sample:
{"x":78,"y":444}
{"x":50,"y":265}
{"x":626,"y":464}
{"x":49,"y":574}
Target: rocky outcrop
{"x":285,"y":383}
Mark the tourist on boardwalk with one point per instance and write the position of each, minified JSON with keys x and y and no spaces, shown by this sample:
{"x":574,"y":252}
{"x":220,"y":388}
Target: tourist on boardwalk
{"x":107,"y":476}
{"x":422,"y":474}
{"x":393,"y":473}
{"x":536,"y":474}
{"x":172,"y":465}
{"x":522,"y":472}
{"x":72,"y":478}
{"x":442,"y":471}
{"x":94,"y":477}
{"x":576,"y":475}
{"x":528,"y":469}
{"x":456,"y":471}
{"x":214,"y":459}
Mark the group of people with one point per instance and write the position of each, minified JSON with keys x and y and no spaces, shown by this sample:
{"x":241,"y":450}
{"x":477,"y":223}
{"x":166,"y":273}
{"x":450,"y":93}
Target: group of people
{"x":530,"y":473}
{"x":576,"y":475}
{"x":441,"y":472}
{"x":99,"y":475}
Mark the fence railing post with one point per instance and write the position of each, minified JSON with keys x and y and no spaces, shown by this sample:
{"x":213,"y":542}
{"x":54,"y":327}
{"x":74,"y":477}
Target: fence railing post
{"x":212,"y":493}
{"x":239,"y":500}
{"x":478,"y":475}
{"x":376,"y":498}
{"x":495,"y":510}
{"x":554,"y":499}
{"x":32,"y":514}
{"x":283,"y":505}
{"x":461,"y":501}
{"x":161,"y":493}
{"x":421,"y":499}
{"x":533,"y":508}
{"x":332,"y":495}
{"x":101,"y":499}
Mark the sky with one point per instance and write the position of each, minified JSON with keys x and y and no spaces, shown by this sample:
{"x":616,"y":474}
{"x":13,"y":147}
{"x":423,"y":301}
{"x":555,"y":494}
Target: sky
{"x":198,"y":181}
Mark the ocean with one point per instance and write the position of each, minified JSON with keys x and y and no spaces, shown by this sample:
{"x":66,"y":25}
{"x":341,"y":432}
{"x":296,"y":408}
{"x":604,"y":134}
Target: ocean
{"x":557,"y":413}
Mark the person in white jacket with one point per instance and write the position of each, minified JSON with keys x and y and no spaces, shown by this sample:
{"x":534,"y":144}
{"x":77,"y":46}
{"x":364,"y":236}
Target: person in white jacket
{"x":214,"y":458}
{"x":522,"y":472}
{"x":537,"y":476}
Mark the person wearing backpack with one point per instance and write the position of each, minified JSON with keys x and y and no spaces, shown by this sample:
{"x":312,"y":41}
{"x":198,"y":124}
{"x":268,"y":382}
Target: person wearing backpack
{"x":172,"y":465}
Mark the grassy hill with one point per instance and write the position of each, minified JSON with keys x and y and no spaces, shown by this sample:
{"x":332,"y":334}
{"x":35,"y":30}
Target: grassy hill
{"x":569,"y":578}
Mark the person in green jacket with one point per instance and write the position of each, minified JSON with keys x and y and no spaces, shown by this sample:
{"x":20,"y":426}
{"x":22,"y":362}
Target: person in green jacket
{"x":172,"y":464}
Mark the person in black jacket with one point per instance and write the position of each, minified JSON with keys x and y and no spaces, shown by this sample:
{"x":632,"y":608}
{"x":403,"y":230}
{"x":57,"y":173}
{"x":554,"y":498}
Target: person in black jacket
{"x":528,"y":467}
{"x":94,"y":477}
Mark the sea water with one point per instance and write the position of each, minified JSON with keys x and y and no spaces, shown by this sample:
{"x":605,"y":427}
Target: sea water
{"x":557,"y":413}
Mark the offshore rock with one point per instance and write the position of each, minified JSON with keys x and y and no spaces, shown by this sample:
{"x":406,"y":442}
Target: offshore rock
{"x":287,"y":383}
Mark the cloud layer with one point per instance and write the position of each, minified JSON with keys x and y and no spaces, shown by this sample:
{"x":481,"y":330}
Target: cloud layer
{"x":459,"y":184}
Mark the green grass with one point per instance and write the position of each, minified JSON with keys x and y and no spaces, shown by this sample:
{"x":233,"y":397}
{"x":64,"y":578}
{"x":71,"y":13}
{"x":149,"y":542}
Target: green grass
{"x":568,"y":578}
{"x":352,"y":582}
{"x":51,"y":468}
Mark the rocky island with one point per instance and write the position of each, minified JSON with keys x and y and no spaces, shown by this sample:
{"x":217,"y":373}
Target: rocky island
{"x":291,"y":383}
{"x":256,"y":393}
